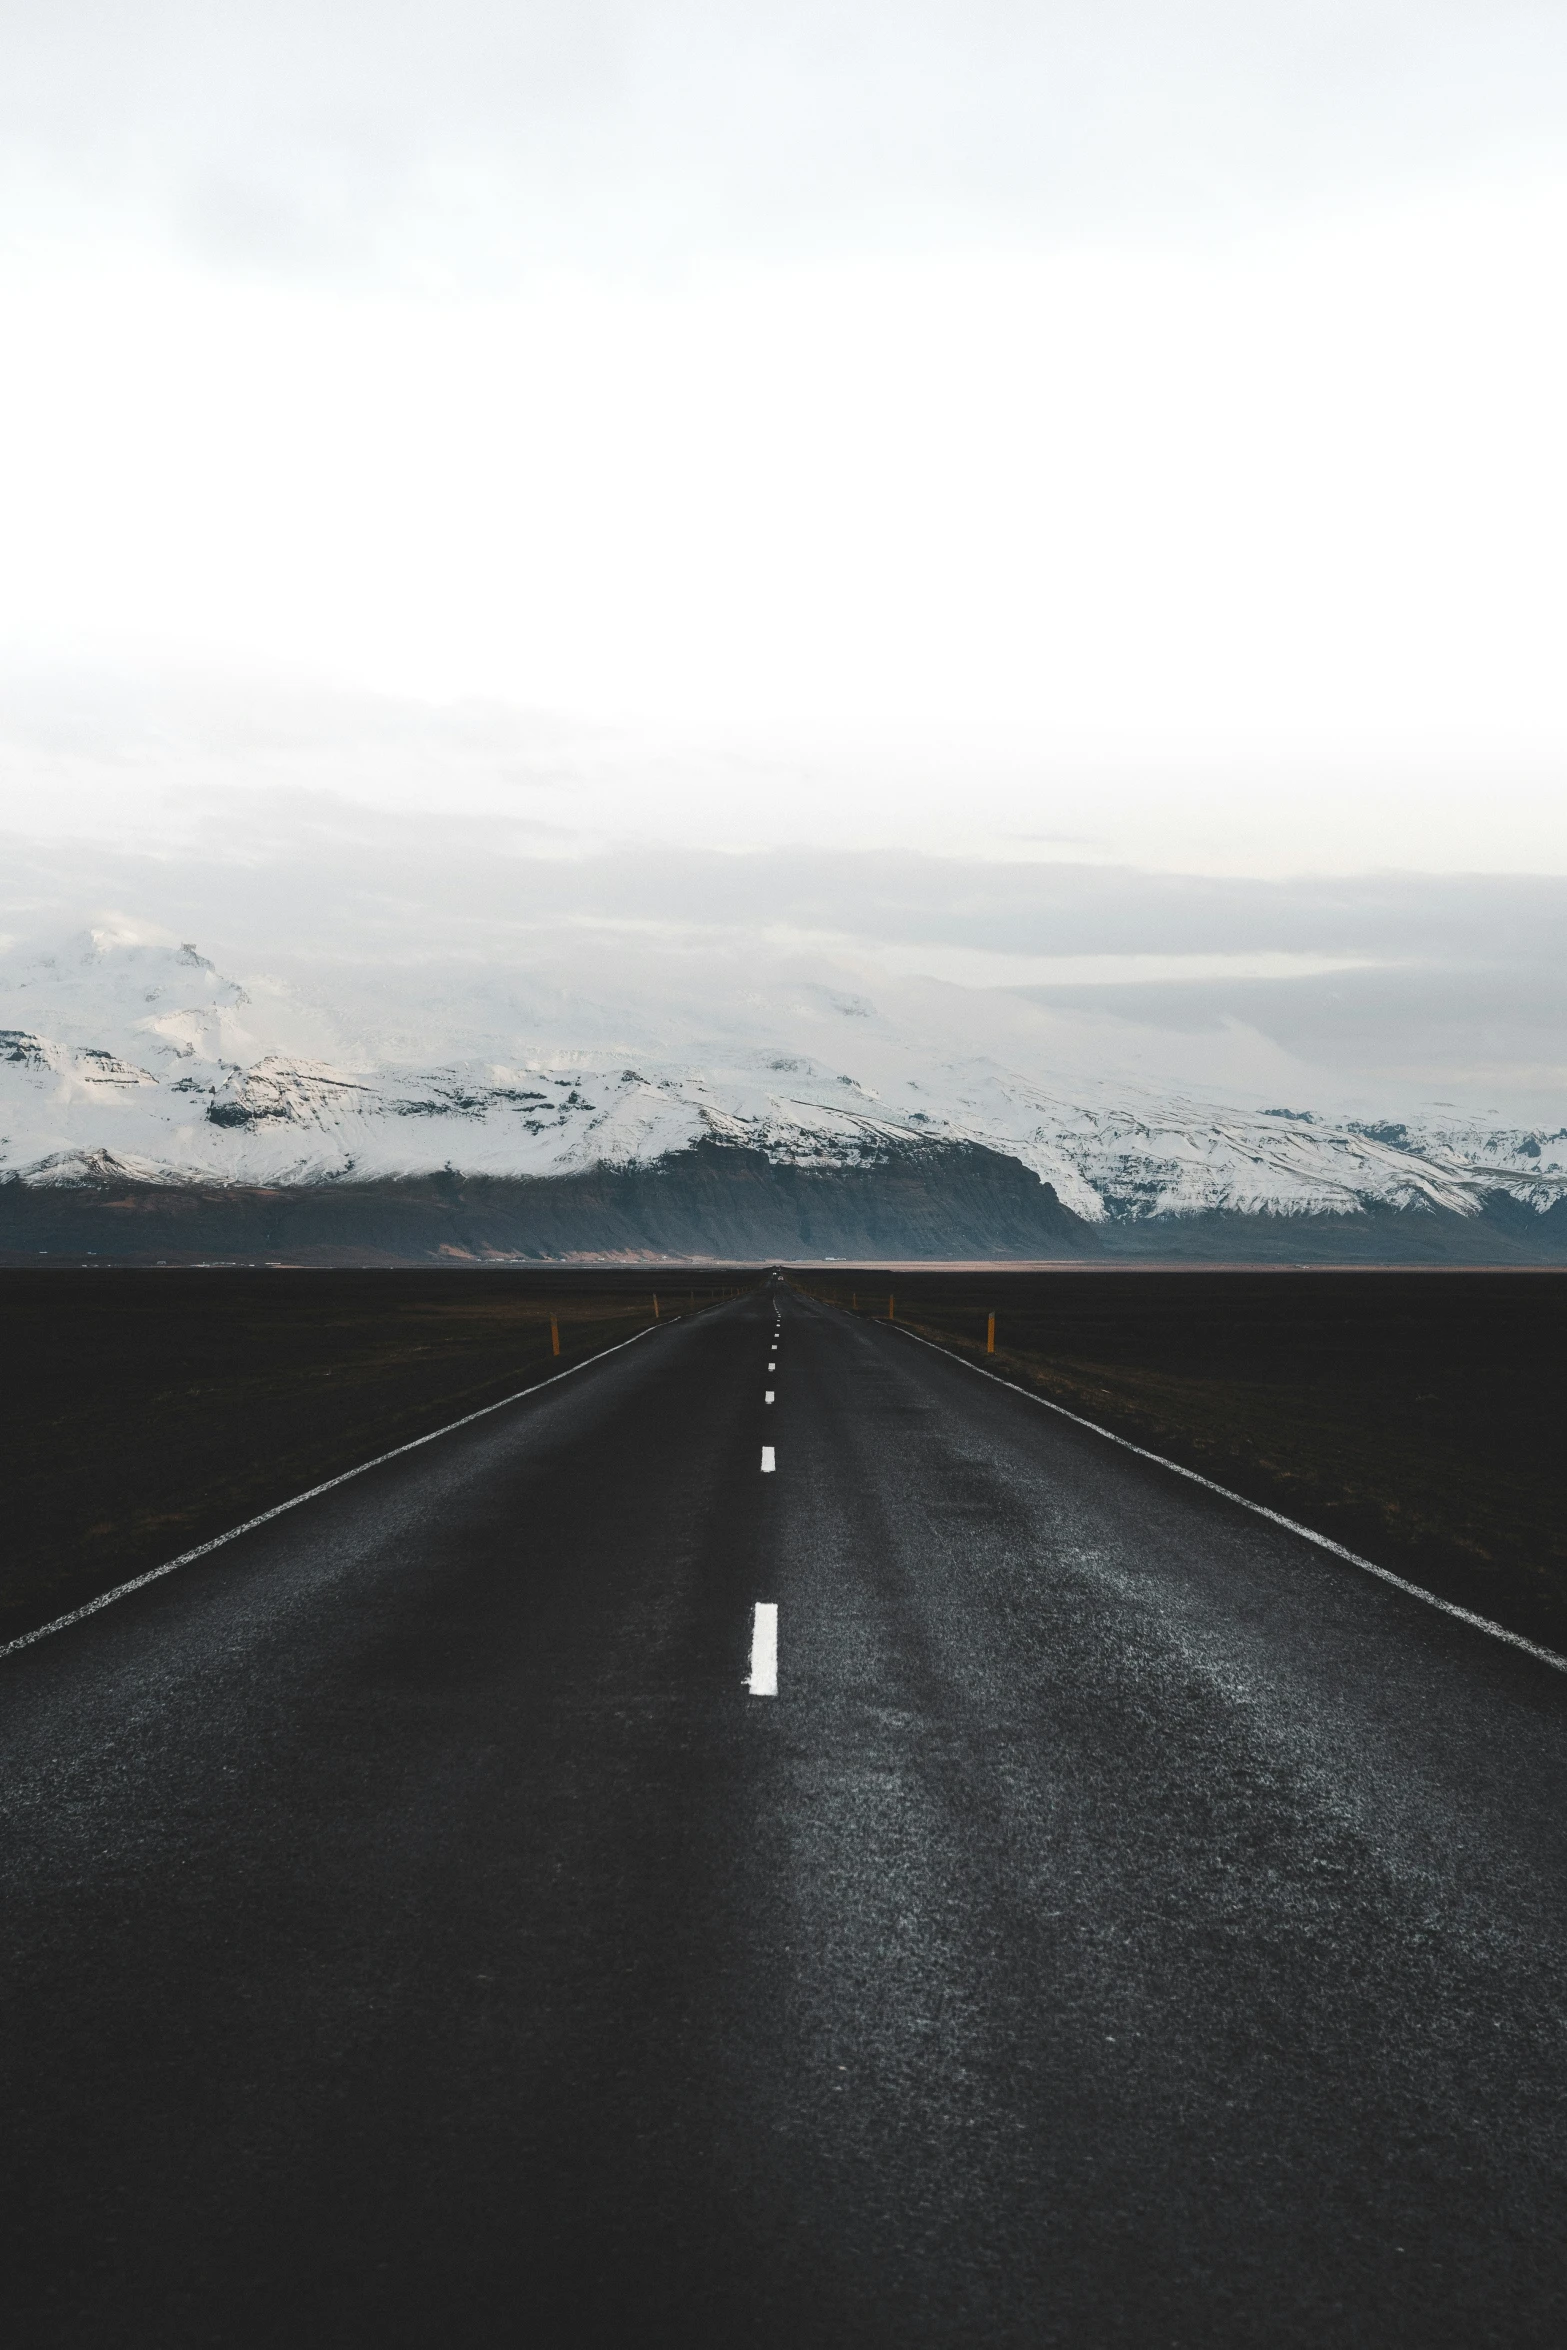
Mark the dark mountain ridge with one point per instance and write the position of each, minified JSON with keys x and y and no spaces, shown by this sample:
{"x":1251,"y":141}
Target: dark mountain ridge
{"x":727,"y":1202}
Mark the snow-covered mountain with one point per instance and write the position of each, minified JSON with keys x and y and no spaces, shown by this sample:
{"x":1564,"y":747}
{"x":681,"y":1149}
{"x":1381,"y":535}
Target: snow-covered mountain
{"x":121,"y":1057}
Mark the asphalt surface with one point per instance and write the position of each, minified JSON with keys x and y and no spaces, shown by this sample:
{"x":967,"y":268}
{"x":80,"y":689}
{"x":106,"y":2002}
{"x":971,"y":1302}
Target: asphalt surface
{"x":1125,"y":1924}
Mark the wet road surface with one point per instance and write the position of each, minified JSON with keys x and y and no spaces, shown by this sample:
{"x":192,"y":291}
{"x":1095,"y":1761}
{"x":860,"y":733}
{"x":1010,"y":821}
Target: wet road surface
{"x":1124,"y":1924}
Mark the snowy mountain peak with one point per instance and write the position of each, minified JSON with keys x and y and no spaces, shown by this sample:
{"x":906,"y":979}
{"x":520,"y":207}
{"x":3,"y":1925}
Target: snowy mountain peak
{"x":127,"y":1056}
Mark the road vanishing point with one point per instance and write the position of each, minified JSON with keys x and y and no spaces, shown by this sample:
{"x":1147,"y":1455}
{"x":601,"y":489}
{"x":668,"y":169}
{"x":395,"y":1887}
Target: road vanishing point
{"x":874,"y":1867}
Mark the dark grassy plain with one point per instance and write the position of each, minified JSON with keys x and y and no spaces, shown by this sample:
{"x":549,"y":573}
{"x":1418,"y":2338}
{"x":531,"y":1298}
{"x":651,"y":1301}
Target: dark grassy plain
{"x":145,"y":1412}
{"x":1419,"y":1418}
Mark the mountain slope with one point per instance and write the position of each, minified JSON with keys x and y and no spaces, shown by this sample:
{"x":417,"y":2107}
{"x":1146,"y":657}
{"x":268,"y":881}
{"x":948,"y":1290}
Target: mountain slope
{"x":127,"y":1062}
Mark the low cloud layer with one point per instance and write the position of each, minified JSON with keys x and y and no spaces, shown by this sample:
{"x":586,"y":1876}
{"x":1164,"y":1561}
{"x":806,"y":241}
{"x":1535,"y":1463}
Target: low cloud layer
{"x":1372,"y":995}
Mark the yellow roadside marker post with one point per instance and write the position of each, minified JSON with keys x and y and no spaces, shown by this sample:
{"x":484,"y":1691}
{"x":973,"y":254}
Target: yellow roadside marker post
{"x":990,"y":1335}
{"x":554,"y":1336}
{"x":889,"y":1309}
{"x":655,"y":1305}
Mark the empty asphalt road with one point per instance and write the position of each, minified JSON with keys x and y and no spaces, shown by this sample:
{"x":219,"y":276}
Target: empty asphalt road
{"x":1124,"y":1924}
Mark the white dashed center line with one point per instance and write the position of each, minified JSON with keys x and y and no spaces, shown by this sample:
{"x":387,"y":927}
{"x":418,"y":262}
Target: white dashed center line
{"x":768,"y":1463}
{"x":768,"y":1397}
{"x":772,"y":1366}
{"x":764,"y":1650}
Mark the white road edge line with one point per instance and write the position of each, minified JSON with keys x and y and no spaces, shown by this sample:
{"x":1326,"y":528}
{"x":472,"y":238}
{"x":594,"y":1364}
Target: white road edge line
{"x":768,"y":1462}
{"x":187,"y":1557}
{"x":1446,"y":1607}
{"x":764,"y":1650}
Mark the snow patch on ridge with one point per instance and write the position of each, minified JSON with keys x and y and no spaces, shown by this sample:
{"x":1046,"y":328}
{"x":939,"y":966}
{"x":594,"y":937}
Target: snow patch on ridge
{"x":127,"y":1057}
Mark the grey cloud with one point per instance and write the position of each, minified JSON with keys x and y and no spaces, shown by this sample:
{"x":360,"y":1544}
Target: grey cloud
{"x":1496,"y":1028}
{"x":349,"y":135}
{"x":1077,"y":909}
{"x":1468,"y":998}
{"x":490,"y":865}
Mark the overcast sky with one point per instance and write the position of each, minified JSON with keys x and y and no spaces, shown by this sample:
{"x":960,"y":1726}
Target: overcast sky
{"x":1125,"y":433}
